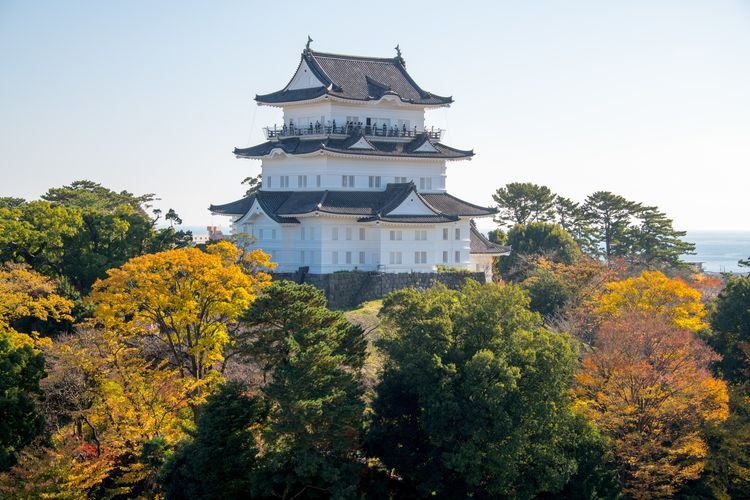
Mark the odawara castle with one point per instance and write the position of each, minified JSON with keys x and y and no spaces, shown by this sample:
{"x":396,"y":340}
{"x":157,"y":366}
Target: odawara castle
{"x":354,"y":179}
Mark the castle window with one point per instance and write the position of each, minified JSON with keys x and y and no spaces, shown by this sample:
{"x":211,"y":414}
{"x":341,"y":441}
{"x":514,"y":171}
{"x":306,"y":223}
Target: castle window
{"x":317,"y":180}
{"x":420,"y":235}
{"x":457,"y":256}
{"x":445,"y":233}
{"x":302,"y":256}
{"x":268,"y":181}
{"x":394,"y":258}
{"x":361,"y":257}
{"x":400,"y":180}
{"x":284,"y":181}
{"x":445,"y":257}
{"x":260,"y":234}
{"x":347,"y":181}
{"x":301,"y":181}
{"x":395,"y":235}
{"x":335,"y":233}
{"x":420,"y":257}
{"x":335,"y":258}
{"x":458,"y":233}
{"x":348,"y":257}
{"x":374,"y":181}
{"x":425,"y":183}
{"x":362,"y":234}
{"x":273,"y":234}
{"x":348,"y":233}
{"x":302,"y":233}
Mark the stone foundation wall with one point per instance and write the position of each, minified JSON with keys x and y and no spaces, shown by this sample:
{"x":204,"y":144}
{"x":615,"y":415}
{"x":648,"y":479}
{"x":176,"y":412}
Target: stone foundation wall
{"x":348,"y":289}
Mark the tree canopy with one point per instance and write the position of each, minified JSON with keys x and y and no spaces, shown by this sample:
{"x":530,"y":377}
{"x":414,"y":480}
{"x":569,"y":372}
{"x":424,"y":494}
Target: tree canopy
{"x":524,"y":202}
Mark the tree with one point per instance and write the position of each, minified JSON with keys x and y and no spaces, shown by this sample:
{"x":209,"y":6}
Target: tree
{"x":474,"y":395}
{"x":314,"y":358}
{"x":648,"y":388}
{"x":187,"y":300}
{"x":523,"y":203}
{"x":654,"y":293}
{"x":24,"y":295}
{"x":536,"y":239}
{"x":654,"y":243}
{"x":254,"y":184}
{"x":730,"y":321}
{"x":105,"y":400}
{"x":77,"y":232}
{"x":218,"y":460}
{"x":609,"y":217}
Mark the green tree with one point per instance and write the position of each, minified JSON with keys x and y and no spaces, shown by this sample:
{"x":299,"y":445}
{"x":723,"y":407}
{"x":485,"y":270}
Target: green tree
{"x":313,"y":357}
{"x":474,"y":399}
{"x":219,"y":459}
{"x":524,"y":202}
{"x":730,"y":321}
{"x":655,"y":243}
{"x":533,"y":240}
{"x":609,"y":216}
{"x":254,"y":184}
{"x":21,"y":369}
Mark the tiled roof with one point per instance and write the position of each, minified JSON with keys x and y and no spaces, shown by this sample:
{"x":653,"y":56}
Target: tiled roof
{"x":283,"y":206}
{"x":357,"y":78}
{"x":479,"y":244}
{"x":447,"y":203}
{"x":296,"y":146}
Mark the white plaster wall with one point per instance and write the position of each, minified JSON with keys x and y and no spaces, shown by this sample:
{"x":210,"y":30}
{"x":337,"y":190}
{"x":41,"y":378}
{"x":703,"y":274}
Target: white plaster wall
{"x":326,"y":111}
{"x":482,"y":263}
{"x":331,"y":169}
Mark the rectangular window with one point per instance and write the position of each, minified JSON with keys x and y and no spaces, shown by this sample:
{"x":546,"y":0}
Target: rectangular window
{"x":352,"y":119}
{"x":457,"y":232}
{"x":302,"y":181}
{"x":394,"y":258}
{"x":260,"y":234}
{"x":425,"y":183}
{"x":457,"y":256}
{"x":335,"y":233}
{"x":302,"y":256}
{"x":348,"y":233}
{"x":395,"y":235}
{"x":273,"y":234}
{"x":347,"y":181}
{"x":401,"y":180}
{"x":302,"y":232}
{"x":335,"y":258}
{"x":374,"y":181}
{"x":445,"y":233}
{"x":420,"y":257}
{"x":361,"y":257}
{"x":362,"y":234}
{"x":284,"y":181}
{"x":348,"y":257}
{"x":420,"y":235}
{"x":317,"y":180}
{"x":445,"y":257}
{"x":268,"y":181}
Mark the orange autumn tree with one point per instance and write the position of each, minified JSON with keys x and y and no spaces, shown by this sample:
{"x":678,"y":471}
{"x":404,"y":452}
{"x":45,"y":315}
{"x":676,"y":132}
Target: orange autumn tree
{"x":186,"y":300}
{"x":648,"y":388}
{"x":653,"y":293}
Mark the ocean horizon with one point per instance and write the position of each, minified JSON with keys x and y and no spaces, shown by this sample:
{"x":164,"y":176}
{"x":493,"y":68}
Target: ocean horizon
{"x":718,"y":251}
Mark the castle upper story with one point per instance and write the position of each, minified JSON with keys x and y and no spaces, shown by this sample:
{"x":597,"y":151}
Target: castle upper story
{"x":345,"y":120}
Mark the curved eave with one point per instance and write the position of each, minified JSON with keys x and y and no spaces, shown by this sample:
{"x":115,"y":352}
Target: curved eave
{"x":263,"y":100}
{"x":351,"y":154}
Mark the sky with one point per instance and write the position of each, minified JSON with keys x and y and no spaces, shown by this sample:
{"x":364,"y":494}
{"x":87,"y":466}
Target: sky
{"x":648,"y":99}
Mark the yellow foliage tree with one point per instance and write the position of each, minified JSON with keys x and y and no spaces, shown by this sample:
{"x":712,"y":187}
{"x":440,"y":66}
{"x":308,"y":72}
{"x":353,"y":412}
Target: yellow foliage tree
{"x":108,"y":402}
{"x":655,"y":294}
{"x":187,"y":300}
{"x":648,"y":388}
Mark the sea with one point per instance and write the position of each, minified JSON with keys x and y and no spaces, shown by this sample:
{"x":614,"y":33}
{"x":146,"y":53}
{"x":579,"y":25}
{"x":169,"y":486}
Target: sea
{"x":717,"y":251}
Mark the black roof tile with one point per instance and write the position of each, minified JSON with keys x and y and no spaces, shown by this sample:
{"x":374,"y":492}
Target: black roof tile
{"x":296,"y":146}
{"x":282,"y":206}
{"x":357,"y":78}
{"x":479,"y":244}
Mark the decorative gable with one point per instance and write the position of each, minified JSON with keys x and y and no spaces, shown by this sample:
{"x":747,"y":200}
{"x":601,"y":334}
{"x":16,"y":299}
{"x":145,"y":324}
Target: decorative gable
{"x":362,"y":143}
{"x":412,"y":205}
{"x":426,"y":147}
{"x":304,"y":78}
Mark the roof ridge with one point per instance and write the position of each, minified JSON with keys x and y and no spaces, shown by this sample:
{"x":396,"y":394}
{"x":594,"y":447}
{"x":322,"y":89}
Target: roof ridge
{"x":331,"y":55}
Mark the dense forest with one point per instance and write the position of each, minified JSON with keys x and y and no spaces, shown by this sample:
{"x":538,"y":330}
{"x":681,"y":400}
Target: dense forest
{"x":134,"y":364}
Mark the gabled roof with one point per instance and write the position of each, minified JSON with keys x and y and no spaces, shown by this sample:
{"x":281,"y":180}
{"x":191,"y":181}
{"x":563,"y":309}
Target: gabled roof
{"x":356,"y":78}
{"x":413,"y":149}
{"x":479,"y":244}
{"x":368,"y":206}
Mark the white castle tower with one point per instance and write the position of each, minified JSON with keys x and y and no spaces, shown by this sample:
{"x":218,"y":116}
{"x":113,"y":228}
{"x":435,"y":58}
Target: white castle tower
{"x":353,"y":179}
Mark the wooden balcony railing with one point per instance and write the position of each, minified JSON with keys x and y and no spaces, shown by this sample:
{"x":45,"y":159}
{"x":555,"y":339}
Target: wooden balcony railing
{"x":286,"y":131}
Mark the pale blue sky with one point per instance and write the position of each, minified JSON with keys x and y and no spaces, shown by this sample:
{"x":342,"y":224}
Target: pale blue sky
{"x":649,"y":99}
